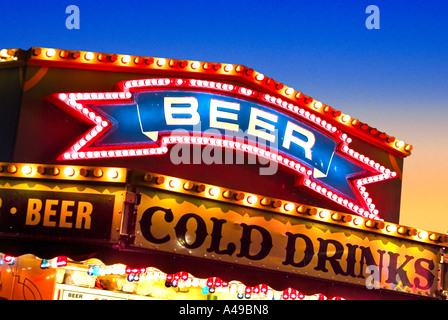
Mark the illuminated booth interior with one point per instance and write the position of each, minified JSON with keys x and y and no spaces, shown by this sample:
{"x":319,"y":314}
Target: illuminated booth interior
{"x":128,"y":177}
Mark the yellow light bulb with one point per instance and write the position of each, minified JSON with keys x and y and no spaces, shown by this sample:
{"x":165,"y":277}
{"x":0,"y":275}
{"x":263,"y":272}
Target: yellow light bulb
{"x":26,"y":170}
{"x":228,"y":67}
{"x":50,"y":53}
{"x":324,"y":214}
{"x":252,"y":199}
{"x":69,"y":171}
{"x":89,"y":56}
{"x":112,"y":174}
{"x":195,"y":65}
{"x":214,"y":191}
{"x":423,"y":234}
{"x":289,"y":91}
{"x":161,"y":62}
{"x":174,"y":183}
{"x":391,"y":228}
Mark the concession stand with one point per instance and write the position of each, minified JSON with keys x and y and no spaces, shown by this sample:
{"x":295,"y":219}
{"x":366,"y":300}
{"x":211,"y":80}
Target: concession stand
{"x":129,"y":177}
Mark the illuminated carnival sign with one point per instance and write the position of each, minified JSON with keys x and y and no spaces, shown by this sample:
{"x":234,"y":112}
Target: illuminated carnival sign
{"x":246,"y":237}
{"x":146,"y":116}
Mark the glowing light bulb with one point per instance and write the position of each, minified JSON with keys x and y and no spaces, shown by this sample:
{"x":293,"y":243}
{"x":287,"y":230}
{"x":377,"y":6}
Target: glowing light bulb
{"x":50,"y":53}
{"x":391,"y":228}
{"x":195,"y":65}
{"x":112,"y":174}
{"x":89,"y":56}
{"x":26,"y":170}
{"x":69,"y":171}
{"x":214,"y":191}
{"x":174,"y":183}
{"x":423,"y":234}
{"x":228,"y":67}
{"x":161,"y":62}
{"x":324,"y":214}
{"x":252,"y":199}
{"x":357,"y":221}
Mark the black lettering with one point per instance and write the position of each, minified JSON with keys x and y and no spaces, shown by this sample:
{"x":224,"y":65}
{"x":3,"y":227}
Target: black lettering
{"x":216,"y":238}
{"x":266,"y":243}
{"x":291,"y":250}
{"x":425,"y":273}
{"x":365,"y":259}
{"x":368,"y":260}
{"x":146,"y":222}
{"x":395,"y":271}
{"x":181,"y":230}
{"x":380,"y":266}
{"x":323,"y":257}
{"x":351,"y":260}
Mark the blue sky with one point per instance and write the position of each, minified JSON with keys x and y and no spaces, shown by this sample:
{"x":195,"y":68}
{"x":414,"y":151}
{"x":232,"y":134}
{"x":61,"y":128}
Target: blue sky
{"x":394,"y":78}
{"x":321,"y":48}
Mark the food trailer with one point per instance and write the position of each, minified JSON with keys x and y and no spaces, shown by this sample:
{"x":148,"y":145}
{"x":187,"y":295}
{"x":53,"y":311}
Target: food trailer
{"x":129,"y":177}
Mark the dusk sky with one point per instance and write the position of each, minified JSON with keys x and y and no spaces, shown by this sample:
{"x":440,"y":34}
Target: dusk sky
{"x":394,"y":78}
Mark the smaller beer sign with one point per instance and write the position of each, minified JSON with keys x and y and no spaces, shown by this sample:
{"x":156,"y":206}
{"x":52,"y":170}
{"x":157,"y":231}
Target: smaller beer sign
{"x":56,"y":213}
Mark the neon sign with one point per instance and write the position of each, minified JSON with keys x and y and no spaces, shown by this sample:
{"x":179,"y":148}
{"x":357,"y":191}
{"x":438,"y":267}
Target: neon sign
{"x":147,"y":115}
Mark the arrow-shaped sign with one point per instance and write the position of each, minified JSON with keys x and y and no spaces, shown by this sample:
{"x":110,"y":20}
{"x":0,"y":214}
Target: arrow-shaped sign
{"x":150,"y":114}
